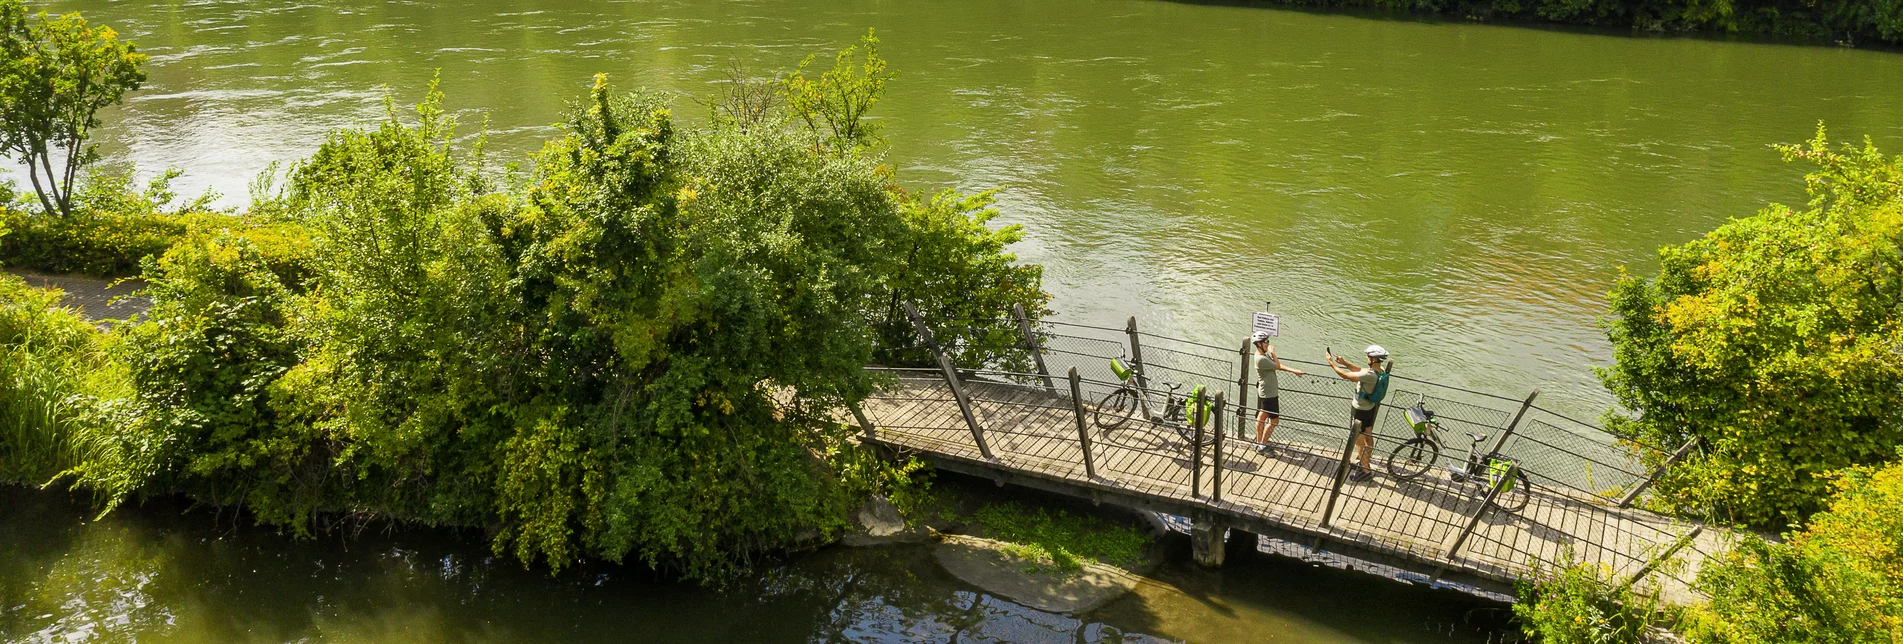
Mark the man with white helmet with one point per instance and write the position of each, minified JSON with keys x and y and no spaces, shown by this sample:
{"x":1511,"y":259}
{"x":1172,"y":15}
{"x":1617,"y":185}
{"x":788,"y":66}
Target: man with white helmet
{"x":1371,"y":385}
{"x":1267,"y":392}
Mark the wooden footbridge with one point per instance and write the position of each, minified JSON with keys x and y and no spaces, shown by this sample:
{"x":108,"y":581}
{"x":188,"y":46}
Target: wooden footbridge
{"x":1007,"y":400}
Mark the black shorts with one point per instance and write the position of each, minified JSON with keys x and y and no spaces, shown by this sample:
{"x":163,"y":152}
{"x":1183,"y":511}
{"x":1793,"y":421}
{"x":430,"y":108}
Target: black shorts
{"x":1366,"y":416}
{"x":1271,"y":406}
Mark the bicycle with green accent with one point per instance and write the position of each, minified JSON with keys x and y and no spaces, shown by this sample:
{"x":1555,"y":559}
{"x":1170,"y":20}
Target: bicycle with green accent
{"x":1481,"y":471}
{"x":1181,"y":412}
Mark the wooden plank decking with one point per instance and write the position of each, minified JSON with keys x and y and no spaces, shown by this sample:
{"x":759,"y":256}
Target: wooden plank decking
{"x":1033,"y":432}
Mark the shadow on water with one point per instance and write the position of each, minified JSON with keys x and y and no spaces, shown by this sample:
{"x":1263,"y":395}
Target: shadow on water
{"x":164,"y":571}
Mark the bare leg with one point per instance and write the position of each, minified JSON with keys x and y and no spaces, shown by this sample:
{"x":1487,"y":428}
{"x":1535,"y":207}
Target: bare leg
{"x":1263,"y":427}
{"x":1366,"y":442}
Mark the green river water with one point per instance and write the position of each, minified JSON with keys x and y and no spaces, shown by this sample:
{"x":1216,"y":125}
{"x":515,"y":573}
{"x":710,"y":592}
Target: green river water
{"x":1461,"y":193}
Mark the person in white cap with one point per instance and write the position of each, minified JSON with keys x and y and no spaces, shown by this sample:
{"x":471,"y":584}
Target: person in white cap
{"x":1267,"y":392}
{"x":1371,"y":385}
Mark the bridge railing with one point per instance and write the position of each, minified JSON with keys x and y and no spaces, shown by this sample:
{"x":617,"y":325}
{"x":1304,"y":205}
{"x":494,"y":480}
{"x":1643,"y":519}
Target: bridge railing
{"x":1031,"y":426}
{"x":1565,"y":452}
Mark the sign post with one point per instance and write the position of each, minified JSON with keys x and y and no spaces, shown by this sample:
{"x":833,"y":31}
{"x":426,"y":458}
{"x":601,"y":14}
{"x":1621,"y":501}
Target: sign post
{"x":1265,"y":322}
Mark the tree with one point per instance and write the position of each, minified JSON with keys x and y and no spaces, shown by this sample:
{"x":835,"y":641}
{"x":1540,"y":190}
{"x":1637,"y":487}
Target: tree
{"x":55,"y":76}
{"x":839,"y":99}
{"x":1777,"y":339}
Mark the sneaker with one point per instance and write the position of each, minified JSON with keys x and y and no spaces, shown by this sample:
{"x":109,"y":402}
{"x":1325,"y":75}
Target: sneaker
{"x":1265,"y":449}
{"x":1360,"y":475}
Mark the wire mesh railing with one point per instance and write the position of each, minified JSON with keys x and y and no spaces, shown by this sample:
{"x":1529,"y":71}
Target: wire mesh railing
{"x":1017,"y":388}
{"x":1154,"y":449}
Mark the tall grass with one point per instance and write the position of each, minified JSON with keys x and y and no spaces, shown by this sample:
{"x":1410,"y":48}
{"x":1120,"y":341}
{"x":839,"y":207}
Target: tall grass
{"x":49,"y":360}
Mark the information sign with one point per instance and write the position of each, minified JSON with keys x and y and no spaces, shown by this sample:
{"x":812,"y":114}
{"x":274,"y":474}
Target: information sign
{"x":1265,"y":322}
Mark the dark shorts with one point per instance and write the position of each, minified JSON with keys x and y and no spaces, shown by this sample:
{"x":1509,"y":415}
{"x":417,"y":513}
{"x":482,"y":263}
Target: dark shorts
{"x":1366,"y":416}
{"x":1271,"y":406}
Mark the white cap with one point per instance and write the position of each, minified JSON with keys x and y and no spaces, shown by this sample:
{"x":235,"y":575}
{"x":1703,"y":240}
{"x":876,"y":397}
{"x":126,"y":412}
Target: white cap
{"x":1375,"y":351}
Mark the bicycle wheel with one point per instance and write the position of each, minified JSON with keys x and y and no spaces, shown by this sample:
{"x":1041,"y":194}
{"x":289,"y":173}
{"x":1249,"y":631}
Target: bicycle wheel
{"x":1413,"y":458}
{"x":1514,"y":499}
{"x":1115,"y":408}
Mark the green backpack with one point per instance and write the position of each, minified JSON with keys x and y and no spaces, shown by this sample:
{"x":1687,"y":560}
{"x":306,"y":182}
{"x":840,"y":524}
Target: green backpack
{"x":1197,"y":412}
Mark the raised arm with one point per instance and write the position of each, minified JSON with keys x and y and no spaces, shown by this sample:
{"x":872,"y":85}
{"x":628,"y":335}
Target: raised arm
{"x":1283,"y":367}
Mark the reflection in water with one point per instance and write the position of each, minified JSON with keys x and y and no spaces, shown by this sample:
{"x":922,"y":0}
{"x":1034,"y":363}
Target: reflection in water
{"x":162,"y":572}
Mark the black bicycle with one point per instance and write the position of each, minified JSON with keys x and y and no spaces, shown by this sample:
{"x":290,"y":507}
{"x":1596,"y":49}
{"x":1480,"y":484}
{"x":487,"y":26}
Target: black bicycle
{"x":1119,"y":406}
{"x":1482,"y":472}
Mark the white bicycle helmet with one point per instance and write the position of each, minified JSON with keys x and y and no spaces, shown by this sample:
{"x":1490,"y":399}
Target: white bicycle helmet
{"x":1259,"y":337}
{"x":1375,"y":351}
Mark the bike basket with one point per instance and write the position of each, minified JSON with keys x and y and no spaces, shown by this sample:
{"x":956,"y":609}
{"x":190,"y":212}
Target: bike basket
{"x":1417,"y":418}
{"x":1499,"y":468}
{"x":1198,"y":412}
{"x":1116,"y":367}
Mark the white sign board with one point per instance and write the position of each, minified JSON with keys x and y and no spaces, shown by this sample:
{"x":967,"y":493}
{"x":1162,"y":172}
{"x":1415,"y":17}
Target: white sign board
{"x":1269,"y":323}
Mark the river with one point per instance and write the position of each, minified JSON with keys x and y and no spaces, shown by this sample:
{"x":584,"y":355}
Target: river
{"x":1462,"y":193}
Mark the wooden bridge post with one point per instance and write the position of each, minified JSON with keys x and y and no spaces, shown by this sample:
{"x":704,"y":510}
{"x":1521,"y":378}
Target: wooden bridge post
{"x":1207,"y":534}
{"x":1658,"y":472}
{"x":1341,"y":473}
{"x":1663,"y":557}
{"x":1030,"y":342}
{"x":860,"y":415}
{"x":1474,"y":521}
{"x":1215,"y":463}
{"x":1242,"y":392}
{"x":951,"y":380}
{"x":1502,"y":440}
{"x":1136,"y":354}
{"x":1083,"y":428}
{"x":1195,"y":449}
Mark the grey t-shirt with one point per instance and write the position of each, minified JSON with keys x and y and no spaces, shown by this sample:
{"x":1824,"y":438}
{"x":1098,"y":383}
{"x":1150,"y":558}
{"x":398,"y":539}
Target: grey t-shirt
{"x":1265,"y":381}
{"x":1366,"y":378}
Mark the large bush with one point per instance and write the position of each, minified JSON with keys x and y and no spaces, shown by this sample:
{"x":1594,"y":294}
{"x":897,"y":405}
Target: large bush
{"x":114,"y":224}
{"x":1775,"y":340}
{"x":641,"y":347}
{"x":1839,"y":580}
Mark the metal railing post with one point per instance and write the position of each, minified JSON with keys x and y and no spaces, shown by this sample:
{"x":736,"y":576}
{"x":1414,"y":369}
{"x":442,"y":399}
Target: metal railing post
{"x":1663,"y":557}
{"x":1136,"y":354}
{"x":1242,"y":392}
{"x":1083,"y":428}
{"x":1030,"y":342}
{"x":951,"y":380}
{"x":1215,"y":463}
{"x":1341,"y":473}
{"x":1502,"y":440}
{"x":1474,"y":521}
{"x":1658,"y":472}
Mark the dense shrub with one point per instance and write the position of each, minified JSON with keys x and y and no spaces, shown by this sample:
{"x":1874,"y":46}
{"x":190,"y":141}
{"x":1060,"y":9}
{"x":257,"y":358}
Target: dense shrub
{"x":1839,"y":580}
{"x":639,"y":348}
{"x":114,"y":225}
{"x":1774,"y":339}
{"x":1581,"y":603}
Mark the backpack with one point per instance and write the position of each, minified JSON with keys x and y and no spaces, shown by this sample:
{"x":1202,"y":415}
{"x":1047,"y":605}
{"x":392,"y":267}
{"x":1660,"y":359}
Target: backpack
{"x":1380,"y":389}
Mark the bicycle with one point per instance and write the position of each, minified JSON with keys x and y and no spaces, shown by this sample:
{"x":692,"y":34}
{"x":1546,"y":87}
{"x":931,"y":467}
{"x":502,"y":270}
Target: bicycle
{"x":1416,"y":456}
{"x":1119,"y":406}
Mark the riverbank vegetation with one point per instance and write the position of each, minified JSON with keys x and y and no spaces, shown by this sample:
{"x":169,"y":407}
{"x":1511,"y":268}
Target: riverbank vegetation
{"x":1777,"y":342}
{"x":634,"y":345}
{"x":1847,"y":22}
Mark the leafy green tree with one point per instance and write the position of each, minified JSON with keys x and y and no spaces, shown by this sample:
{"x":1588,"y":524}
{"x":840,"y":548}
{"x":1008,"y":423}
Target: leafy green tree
{"x":1776,"y":340}
{"x":836,"y":103}
{"x":55,"y":75}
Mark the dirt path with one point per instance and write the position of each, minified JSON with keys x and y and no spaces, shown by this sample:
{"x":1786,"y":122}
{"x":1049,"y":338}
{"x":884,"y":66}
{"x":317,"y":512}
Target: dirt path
{"x":95,"y":298}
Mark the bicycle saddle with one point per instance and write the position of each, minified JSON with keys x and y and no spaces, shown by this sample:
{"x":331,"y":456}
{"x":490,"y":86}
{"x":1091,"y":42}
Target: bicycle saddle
{"x":1173,"y":385}
{"x":1477,"y":437}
